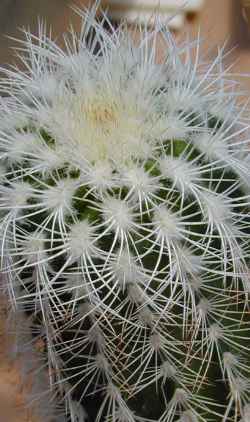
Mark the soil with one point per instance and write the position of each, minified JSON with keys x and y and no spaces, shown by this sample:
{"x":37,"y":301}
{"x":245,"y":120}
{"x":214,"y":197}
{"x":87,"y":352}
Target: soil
{"x":13,"y":400}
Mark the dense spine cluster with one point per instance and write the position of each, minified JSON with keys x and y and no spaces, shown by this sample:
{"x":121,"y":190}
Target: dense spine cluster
{"x":124,"y":203}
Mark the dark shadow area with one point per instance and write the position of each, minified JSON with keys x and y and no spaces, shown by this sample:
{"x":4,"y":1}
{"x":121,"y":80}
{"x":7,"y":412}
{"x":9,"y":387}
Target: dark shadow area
{"x":240,"y":28}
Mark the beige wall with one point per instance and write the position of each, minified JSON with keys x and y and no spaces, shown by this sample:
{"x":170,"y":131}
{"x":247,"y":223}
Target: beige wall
{"x":222,"y":20}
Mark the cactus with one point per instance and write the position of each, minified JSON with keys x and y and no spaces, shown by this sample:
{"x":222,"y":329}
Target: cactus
{"x":125,"y":224}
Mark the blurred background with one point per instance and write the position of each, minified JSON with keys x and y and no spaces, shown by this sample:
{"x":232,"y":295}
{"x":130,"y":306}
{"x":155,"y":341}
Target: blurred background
{"x":219,"y":21}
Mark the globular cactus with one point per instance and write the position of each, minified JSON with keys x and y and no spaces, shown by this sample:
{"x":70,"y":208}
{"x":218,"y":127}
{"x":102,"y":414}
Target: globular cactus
{"x":125,"y":223}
